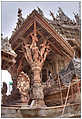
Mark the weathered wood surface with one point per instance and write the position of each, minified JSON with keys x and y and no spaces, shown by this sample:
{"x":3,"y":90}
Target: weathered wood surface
{"x":36,"y":56}
{"x":44,"y":24}
{"x":52,"y":96}
{"x":23,"y":84}
{"x":56,"y":111}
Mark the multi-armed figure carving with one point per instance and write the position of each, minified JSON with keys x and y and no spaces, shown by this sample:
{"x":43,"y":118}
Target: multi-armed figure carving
{"x":35,"y":56}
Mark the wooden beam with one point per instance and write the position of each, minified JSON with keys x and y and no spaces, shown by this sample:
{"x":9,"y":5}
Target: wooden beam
{"x":66,"y":54}
{"x":35,"y":28}
{"x":63,"y":43}
{"x":40,"y":29}
{"x":7,"y":53}
{"x":49,"y":42}
{"x":57,"y":71}
{"x":20,"y":32}
{"x":8,"y":59}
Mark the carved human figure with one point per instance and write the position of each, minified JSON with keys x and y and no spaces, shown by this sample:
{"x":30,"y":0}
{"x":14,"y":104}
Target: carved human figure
{"x":23,"y":84}
{"x":27,"y":52}
{"x":47,"y":50}
{"x":34,"y":48}
{"x":34,"y":40}
{"x":43,"y":48}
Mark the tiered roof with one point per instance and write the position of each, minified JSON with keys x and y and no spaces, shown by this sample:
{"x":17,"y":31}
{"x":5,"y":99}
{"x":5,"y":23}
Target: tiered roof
{"x":8,"y":55}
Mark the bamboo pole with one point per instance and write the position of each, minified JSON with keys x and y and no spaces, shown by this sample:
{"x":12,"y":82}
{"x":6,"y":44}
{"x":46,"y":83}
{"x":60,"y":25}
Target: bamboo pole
{"x":66,"y":99}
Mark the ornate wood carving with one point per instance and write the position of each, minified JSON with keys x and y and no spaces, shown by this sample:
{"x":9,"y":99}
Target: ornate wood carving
{"x":23,"y":84}
{"x":35,"y":56}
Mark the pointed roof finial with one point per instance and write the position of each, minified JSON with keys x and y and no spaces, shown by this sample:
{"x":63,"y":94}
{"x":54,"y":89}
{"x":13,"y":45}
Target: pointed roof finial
{"x":19,"y":12}
{"x":20,"y":19}
{"x":51,"y":14}
{"x":40,"y":11}
{"x":77,"y":18}
{"x":60,"y":11}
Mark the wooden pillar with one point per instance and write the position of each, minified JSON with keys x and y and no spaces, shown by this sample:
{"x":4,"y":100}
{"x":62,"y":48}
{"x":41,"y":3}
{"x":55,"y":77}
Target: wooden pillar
{"x":59,"y":80}
{"x":19,"y":69}
{"x":13,"y":71}
{"x":36,"y":58}
{"x":38,"y":94}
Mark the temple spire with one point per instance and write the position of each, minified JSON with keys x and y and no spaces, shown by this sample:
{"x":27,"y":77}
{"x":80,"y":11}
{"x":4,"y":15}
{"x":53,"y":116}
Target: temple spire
{"x":20,"y":19}
{"x":51,"y":14}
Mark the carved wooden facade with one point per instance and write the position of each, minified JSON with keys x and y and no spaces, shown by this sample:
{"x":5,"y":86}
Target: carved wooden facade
{"x":40,"y":48}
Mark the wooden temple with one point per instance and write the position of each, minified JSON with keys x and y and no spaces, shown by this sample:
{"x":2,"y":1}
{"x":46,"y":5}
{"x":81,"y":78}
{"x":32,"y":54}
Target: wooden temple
{"x":44,"y":68}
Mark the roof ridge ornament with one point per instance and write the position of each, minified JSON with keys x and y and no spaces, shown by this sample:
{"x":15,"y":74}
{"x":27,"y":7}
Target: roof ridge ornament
{"x":40,"y":11}
{"x":63,"y":18}
{"x":20,"y":20}
{"x":19,"y":12}
{"x":77,"y":18}
{"x":51,"y":14}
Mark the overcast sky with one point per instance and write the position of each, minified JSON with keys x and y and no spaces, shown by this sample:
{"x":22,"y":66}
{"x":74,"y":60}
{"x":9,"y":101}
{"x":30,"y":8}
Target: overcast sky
{"x":9,"y":11}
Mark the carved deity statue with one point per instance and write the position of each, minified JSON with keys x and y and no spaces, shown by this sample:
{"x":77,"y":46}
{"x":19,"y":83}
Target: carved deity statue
{"x":23,"y":84}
